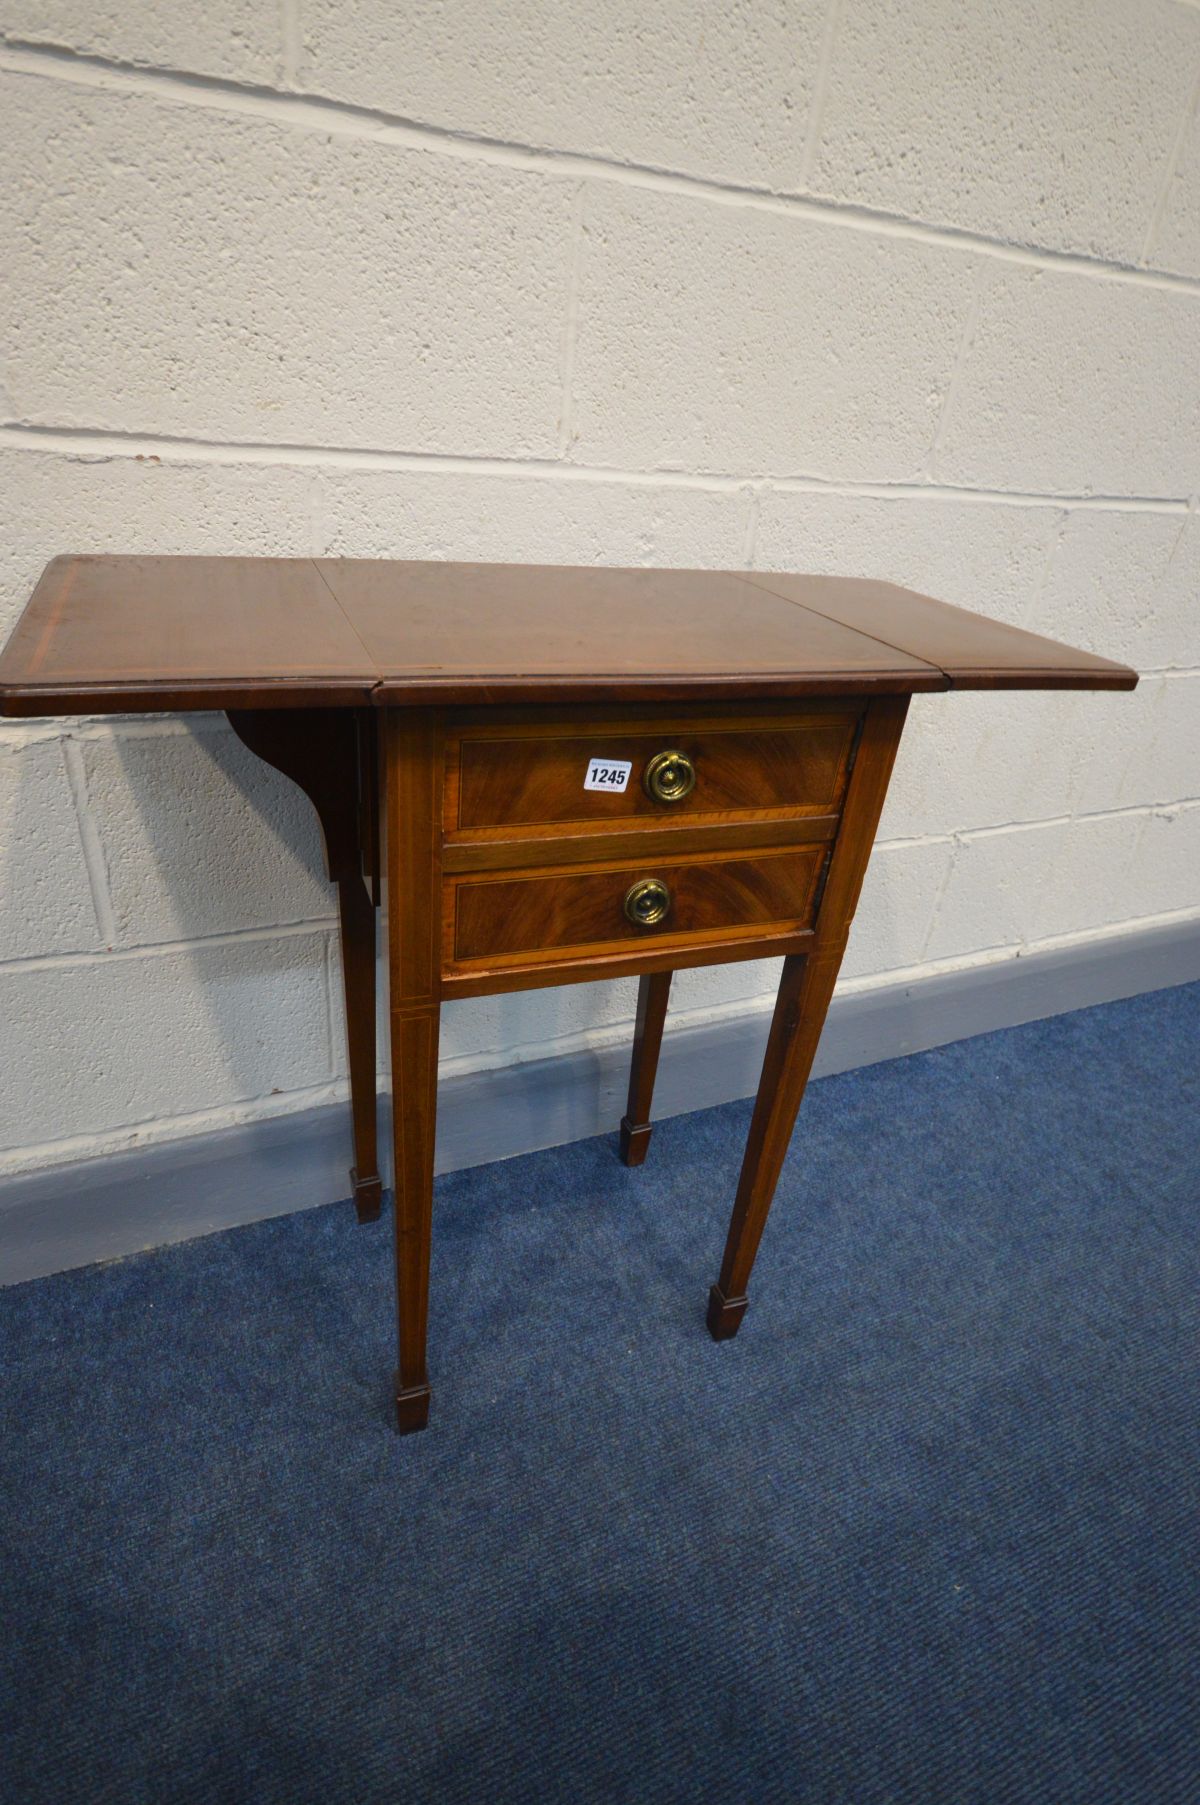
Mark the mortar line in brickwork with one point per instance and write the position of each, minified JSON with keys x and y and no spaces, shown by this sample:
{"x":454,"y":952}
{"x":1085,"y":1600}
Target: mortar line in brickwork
{"x":291,"y":42}
{"x":754,"y":495}
{"x":1033,"y":601}
{"x":820,"y":93}
{"x":1170,"y":171}
{"x":270,"y":1105}
{"x":315,"y":112}
{"x":566,"y":419}
{"x":14,"y":734}
{"x":1000,"y":955}
{"x":997,"y":829}
{"x":165,"y":949}
{"x":1004,"y":828}
{"x":1189,"y":516}
{"x":332,"y":972}
{"x":324,"y":926}
{"x":112,"y":727}
{"x":100,"y":443}
{"x":965,"y":342}
{"x":318,"y":517}
{"x":935,"y":909}
{"x":154,"y":1130}
{"x":94,"y":862}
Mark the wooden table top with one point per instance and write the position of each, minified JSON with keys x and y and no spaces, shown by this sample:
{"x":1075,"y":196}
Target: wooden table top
{"x":126,"y":633}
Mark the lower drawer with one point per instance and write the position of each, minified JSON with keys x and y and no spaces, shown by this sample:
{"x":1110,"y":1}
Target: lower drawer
{"x":713,"y":897}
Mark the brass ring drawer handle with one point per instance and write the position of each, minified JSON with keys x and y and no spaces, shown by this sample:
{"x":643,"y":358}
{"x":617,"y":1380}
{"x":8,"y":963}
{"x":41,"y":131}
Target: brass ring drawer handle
{"x":647,"y":901}
{"x":669,"y":777}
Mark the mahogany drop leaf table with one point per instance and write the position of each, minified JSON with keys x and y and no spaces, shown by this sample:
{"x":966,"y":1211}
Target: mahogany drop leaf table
{"x":545,"y":776}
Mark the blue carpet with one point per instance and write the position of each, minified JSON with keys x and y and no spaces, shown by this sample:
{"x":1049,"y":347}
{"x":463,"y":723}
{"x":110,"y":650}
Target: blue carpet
{"x":927,"y":1531}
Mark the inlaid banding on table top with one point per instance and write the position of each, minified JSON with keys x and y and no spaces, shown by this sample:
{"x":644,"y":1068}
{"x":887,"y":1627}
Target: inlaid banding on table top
{"x":106,"y":633}
{"x":973,"y":651}
{"x":149,"y":621}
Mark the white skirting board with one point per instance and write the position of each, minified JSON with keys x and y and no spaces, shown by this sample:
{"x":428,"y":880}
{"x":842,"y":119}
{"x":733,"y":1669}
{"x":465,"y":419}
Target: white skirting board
{"x":101,"y":1209}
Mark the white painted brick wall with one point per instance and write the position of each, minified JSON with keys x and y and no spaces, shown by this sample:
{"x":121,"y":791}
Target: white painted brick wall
{"x":1175,"y":241}
{"x":121,"y":1042}
{"x":523,"y":517}
{"x":1041,"y":122}
{"x":1044,"y":400}
{"x":907,"y":291}
{"x":236,"y":38}
{"x":276,"y":284}
{"x":739,"y":339}
{"x":1129,"y":580}
{"x":47,"y":900}
{"x":719,"y":88}
{"x":173,"y":807}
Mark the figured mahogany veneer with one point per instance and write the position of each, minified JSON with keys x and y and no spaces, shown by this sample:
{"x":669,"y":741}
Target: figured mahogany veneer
{"x":536,"y":866}
{"x":549,"y":911}
{"x":441,"y":718}
{"x":531,"y":775}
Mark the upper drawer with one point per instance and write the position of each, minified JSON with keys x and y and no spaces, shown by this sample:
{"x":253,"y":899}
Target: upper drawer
{"x":528,"y":776}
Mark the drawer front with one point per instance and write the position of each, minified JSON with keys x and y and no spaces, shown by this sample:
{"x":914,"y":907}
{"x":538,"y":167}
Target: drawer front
{"x":794,"y":765}
{"x":706,"y":898}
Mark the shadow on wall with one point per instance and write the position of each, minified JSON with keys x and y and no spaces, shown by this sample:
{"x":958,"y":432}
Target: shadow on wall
{"x":215,"y":859}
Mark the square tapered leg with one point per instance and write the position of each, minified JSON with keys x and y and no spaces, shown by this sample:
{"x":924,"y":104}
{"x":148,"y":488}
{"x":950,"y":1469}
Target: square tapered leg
{"x":356,"y":915}
{"x":653,"y":990}
{"x":805,"y":991}
{"x":411,"y":792}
